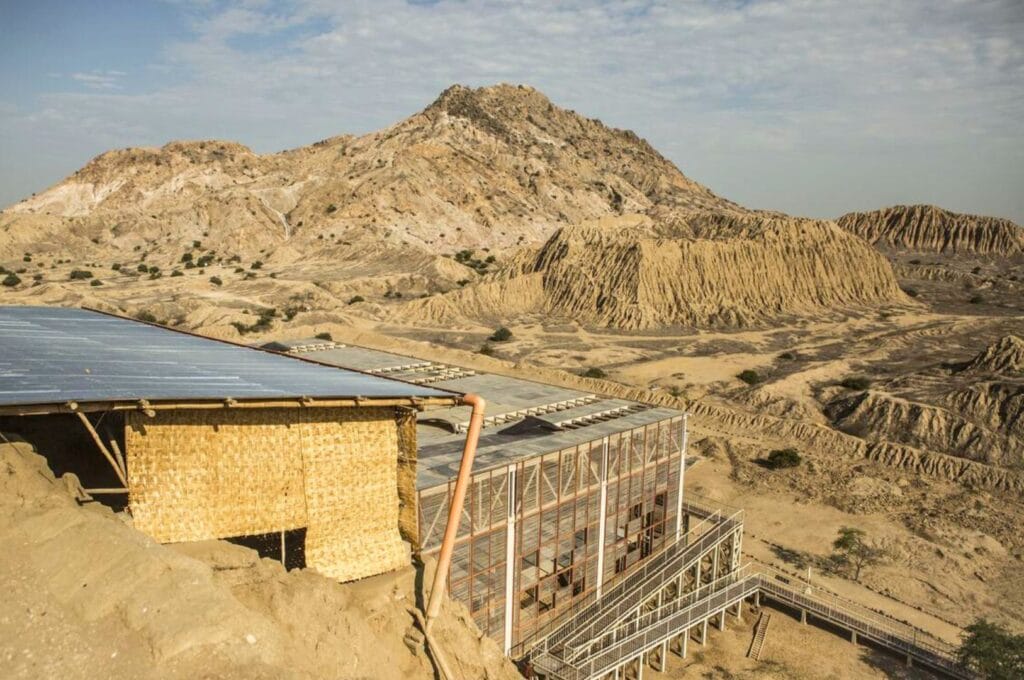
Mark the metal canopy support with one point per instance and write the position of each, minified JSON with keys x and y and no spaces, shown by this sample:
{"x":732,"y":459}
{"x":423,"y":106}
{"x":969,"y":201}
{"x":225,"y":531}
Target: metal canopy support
{"x":602,"y":516}
{"x":510,"y":556}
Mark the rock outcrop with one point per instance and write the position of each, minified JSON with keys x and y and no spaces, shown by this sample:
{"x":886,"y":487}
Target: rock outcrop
{"x":697,"y":269}
{"x":1005,"y":356}
{"x":883,"y":418}
{"x":929,"y":229}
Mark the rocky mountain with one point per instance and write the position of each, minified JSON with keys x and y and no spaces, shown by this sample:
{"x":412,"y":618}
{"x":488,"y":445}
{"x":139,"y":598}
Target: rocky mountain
{"x":478,"y":168}
{"x":929,"y":229}
{"x":494,"y":197}
{"x":697,"y":269}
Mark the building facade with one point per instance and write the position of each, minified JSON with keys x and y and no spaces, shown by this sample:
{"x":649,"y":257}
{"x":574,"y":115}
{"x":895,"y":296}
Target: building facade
{"x":569,"y":489}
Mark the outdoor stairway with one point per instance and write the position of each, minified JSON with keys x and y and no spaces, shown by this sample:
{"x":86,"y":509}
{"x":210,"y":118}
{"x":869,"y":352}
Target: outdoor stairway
{"x":649,"y":612}
{"x":760,"y":633}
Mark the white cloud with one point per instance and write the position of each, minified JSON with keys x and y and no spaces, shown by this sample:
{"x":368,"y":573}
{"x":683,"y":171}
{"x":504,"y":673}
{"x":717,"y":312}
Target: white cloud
{"x":100,"y":80}
{"x":831,"y":90}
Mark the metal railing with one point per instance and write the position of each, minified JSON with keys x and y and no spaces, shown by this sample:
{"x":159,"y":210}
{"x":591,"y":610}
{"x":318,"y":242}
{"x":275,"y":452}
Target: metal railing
{"x":653,"y":571}
{"x":626,"y":601}
{"x":647,"y":631}
{"x":597,"y":636}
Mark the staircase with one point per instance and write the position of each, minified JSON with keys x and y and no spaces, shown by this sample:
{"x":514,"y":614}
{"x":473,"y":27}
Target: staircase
{"x":656,"y":608}
{"x":760,"y":633}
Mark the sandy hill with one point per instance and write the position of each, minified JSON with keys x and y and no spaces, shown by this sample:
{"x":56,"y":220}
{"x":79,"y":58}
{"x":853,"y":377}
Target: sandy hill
{"x":929,"y":229}
{"x":478,"y":168}
{"x":691,"y":269}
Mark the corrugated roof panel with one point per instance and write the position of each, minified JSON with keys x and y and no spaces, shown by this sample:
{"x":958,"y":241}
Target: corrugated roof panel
{"x":55,"y":355}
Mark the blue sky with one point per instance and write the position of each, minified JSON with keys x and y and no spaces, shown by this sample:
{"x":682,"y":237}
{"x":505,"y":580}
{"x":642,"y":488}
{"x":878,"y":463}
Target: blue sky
{"x":812,"y":107}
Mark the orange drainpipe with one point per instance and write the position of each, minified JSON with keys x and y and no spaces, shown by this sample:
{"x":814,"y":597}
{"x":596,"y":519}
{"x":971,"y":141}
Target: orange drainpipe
{"x":444,"y":561}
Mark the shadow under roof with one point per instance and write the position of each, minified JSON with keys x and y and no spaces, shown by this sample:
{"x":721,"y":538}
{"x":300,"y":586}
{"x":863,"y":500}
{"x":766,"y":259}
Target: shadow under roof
{"x":53,"y":355}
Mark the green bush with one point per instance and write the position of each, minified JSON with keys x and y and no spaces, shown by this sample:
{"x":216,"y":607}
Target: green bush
{"x":80,"y":274}
{"x":855,"y":382}
{"x":750,"y":376}
{"x":594,"y":372}
{"x":11,"y":280}
{"x":176,"y":272}
{"x":501,"y":335}
{"x":142,"y":269}
{"x":116,"y":266}
{"x":356,"y":298}
{"x":186,"y":257}
{"x":324,"y":336}
{"x":782,"y":458}
{"x":146,"y":316}
{"x":486,"y":349}
{"x":331,"y":208}
{"x":258,"y":264}
{"x":912,"y":292}
{"x":992,"y":651}
{"x":95,"y":282}
{"x":976,"y":299}
{"x":215,"y":280}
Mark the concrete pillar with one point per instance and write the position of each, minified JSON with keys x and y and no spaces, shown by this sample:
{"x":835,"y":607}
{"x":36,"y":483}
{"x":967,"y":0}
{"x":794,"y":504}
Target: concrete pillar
{"x":910,"y":661}
{"x":757,"y":599}
{"x":803,"y":616}
{"x":640,"y":667}
{"x":704,"y":633}
{"x":686,"y":638}
{"x":721,"y":619}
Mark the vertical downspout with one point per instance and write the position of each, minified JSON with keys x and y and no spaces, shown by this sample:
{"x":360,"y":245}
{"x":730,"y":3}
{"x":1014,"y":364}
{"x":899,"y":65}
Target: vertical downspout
{"x":444,"y":560}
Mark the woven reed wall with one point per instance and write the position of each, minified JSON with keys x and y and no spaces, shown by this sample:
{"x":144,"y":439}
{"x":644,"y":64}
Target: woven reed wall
{"x":408,"y":497}
{"x":202,"y":474}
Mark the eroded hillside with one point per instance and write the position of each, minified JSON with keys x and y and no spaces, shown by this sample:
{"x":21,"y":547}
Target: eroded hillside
{"x":930,"y":229}
{"x":695,"y":270}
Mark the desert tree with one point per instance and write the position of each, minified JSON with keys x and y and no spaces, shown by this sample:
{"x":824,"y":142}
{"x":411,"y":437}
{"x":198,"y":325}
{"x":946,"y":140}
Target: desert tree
{"x":853,"y":549}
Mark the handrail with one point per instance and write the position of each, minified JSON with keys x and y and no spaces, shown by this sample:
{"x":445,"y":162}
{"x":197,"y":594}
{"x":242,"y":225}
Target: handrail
{"x":603,"y":653}
{"x":614,"y":610}
{"x":653,"y":565}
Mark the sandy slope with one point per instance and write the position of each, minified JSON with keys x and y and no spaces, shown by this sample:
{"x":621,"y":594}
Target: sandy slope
{"x":87,"y":596}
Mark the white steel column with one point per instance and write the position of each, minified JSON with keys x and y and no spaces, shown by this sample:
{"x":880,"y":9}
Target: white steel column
{"x":510,"y":556}
{"x":602,"y":516}
{"x":682,"y":476}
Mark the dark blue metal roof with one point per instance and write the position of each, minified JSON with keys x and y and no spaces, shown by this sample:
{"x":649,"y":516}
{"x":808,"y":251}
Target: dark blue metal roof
{"x":52,"y":355}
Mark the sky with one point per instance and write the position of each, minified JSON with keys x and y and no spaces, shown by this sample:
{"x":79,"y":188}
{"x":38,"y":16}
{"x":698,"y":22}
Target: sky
{"x":811,"y":107}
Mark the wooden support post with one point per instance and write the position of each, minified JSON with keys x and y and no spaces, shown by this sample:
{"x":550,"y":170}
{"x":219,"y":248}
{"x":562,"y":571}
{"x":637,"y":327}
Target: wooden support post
{"x":117,"y":454}
{"x":103,"y":449}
